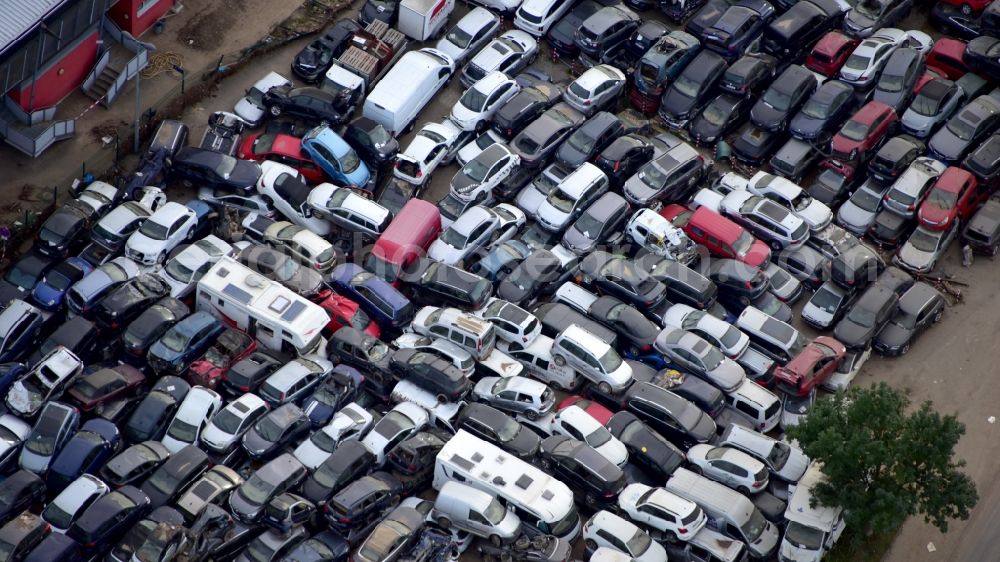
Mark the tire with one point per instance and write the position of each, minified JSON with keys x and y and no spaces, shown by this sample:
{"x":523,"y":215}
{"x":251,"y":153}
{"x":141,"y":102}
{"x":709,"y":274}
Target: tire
{"x":546,"y":464}
{"x":671,"y":536}
{"x":938,"y":316}
{"x":275,"y":111}
{"x":743,"y":490}
{"x":444,"y":523}
{"x":531,"y":415}
{"x":557,"y":386}
{"x":604,"y":387}
{"x":696,"y":469}
{"x":591,"y":545}
{"x":441,"y":398}
{"x":496,"y":540}
{"x":905,"y":349}
{"x":590,"y":500}
{"x":559,"y":360}
{"x":162,"y":257}
{"x":775,"y":245}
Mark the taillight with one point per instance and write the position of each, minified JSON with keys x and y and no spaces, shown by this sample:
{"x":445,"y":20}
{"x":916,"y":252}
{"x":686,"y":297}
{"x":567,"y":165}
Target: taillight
{"x":245,"y":388}
{"x":683,"y":530}
{"x":420,"y":173}
{"x":586,"y":102}
{"x":343,"y":519}
{"x":748,"y":285}
{"x":617,"y":165}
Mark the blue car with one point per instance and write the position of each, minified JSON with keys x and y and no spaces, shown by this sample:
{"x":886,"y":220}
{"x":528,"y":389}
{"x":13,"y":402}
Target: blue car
{"x":336,"y":158}
{"x":184,"y":342}
{"x":10,"y":372}
{"x":378,"y":298}
{"x":337,"y":390}
{"x":49,"y":293}
{"x":88,"y":450}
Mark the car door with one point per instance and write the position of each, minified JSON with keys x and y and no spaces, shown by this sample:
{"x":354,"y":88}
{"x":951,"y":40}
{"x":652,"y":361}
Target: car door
{"x":508,"y":399}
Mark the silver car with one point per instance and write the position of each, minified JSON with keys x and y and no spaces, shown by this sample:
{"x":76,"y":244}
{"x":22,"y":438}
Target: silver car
{"x":859,"y":212}
{"x":692,"y":353}
{"x":595,"y":88}
{"x":517,"y":395}
{"x":922,"y":250}
{"x":935,"y":104}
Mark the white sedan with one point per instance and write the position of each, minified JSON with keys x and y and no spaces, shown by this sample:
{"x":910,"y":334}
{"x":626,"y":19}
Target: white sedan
{"x":605,"y":529}
{"x":469,"y":34}
{"x":352,"y":422}
{"x":476,"y":228}
{"x":575,"y":422}
{"x":431,"y":146}
{"x":170,"y":225}
{"x":228,"y":426}
{"x":869,"y":58}
{"x":183,"y":271}
{"x":405,"y":419}
{"x":284,"y":188}
{"x":478,"y":104}
{"x":792,"y":197}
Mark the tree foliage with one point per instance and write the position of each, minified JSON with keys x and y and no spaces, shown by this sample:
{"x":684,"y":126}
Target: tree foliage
{"x":884,"y":463}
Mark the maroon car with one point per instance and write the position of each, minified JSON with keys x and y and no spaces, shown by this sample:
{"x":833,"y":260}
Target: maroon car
{"x":860,"y":137}
{"x":95,"y":390}
{"x":811,"y":367}
{"x":231,"y":347}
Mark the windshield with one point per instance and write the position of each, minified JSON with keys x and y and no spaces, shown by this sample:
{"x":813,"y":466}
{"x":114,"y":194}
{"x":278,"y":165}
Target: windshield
{"x":41,"y":443}
{"x":227,"y":421}
{"x":588,"y":225}
{"x":350,"y":161}
{"x":598,"y":437}
{"x":942,"y":199}
{"x":174,"y":340}
{"x":258,"y":551}
{"x":804,"y":537}
{"x":863,"y":316}
{"x":581,"y":142}
{"x":924,"y":240}
{"x":610,"y":361}
{"x":459,"y":37}
{"x":256,"y":490}
{"x":866,"y":200}
{"x":925,"y":105}
{"x":269,"y":429}
{"x":475,"y":170}
{"x":495,"y":512}
{"x":779,"y":455}
{"x":816,"y":109}
{"x":715,"y":114}
{"x":562,"y":201}
{"x":777,"y":99}
{"x":686,"y":86}
{"x":961,"y":128}
{"x":826,"y":300}
{"x":871,"y":10}
{"x":323,"y":441}
{"x":854,"y":130}
{"x":508,"y":431}
{"x":857,"y":62}
{"x":154,"y":230}
{"x":890,"y":83}
{"x":151,"y":549}
{"x":731,"y":337}
{"x":57,"y":517}
{"x":453,"y":238}
{"x":473,"y":99}
{"x":653,"y":176}
{"x":183,"y":431}
{"x":179,"y":271}
{"x":753,"y":528}
{"x":712,"y":358}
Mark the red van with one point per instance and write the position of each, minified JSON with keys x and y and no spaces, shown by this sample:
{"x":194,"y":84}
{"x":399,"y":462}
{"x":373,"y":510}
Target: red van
{"x":406,"y":238}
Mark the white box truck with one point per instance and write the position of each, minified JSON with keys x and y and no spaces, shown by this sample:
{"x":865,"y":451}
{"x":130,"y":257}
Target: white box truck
{"x":424,"y":19}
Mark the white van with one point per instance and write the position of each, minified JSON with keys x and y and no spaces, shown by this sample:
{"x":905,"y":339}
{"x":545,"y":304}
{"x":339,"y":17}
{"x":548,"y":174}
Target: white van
{"x":729,"y":512}
{"x":404,"y":91}
{"x":759,"y":405}
{"x":811,"y":531}
{"x":536,"y":357}
{"x":476,"y":512}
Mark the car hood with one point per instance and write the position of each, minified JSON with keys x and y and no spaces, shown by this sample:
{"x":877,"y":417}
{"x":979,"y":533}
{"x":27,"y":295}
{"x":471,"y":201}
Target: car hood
{"x":917,"y":122}
{"x":853,"y":217}
{"x":806,"y":127}
{"x":529,"y":200}
{"x":676,"y":104}
{"x":22,"y":401}
{"x":816,"y":215}
{"x":615,"y":452}
{"x":462,"y":181}
{"x":795,"y":466}
{"x":255,"y":444}
{"x":439,"y":251}
{"x":139,"y":242}
{"x":570,"y":156}
{"x":525,"y":443}
{"x":766,"y":116}
{"x":465,"y":117}
{"x":817,"y":315}
{"x":577,"y":242}
{"x":728,"y":375}
{"x":511,"y":292}
{"x":248,"y":111}
{"x":945,"y":144}
{"x":857,"y":21}
{"x":914,"y":258}
{"x":932,"y":214}
{"x":217,"y":439}
{"x":704,"y":131}
{"x":758,"y":254}
{"x":894,"y":336}
{"x":704,"y":430}
{"x":243,"y":509}
{"x":851,"y":334}
{"x":311,"y":57}
{"x":639,"y":191}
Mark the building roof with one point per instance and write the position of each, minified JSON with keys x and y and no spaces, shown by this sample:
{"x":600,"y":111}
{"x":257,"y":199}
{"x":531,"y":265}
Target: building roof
{"x":20,"y":17}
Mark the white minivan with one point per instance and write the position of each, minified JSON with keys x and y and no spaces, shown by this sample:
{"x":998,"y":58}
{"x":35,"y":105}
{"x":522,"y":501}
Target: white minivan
{"x":403,"y":92}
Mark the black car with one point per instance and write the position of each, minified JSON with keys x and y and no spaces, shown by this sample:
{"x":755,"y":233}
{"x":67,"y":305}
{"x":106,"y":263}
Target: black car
{"x":919,"y":307}
{"x":766,"y":302}
{"x":621,"y":277}
{"x":208,"y":168}
{"x":537,"y":274}
{"x":646,"y":448}
{"x":827,"y":109}
{"x":325,"y":546}
{"x":525,"y":107}
{"x":348,"y":462}
{"x":623,"y":158}
{"x":699,"y":392}
{"x":719,"y":118}
{"x":107,"y":519}
{"x":591,"y":476}
{"x":645,"y":36}
{"x":749,"y":75}
{"x":127,"y":301}
{"x":498,"y":428}
{"x":870,"y":313}
{"x":626,"y":320}
{"x":136,"y":536}
{"x":755,"y":145}
{"x":366,"y":352}
{"x":692,"y":89}
{"x":312,"y":62}
{"x":734,"y":31}
{"x":62,"y":232}
{"x":278,"y":476}
{"x":250,"y":372}
{"x":786,"y":95}
{"x":26,"y":273}
{"x":954,"y":21}
{"x":78,"y":335}
{"x":832,"y":188}
{"x":561,"y":35}
{"x":893,"y":158}
{"x":556,"y":317}
{"x":362,"y":502}
{"x":174,"y":475}
{"x":677,"y":419}
{"x":310,"y":104}
{"x":371,"y":140}
{"x":603,"y":35}
{"x":438,"y":284}
{"x":20,"y":491}
{"x":150,"y":418}
{"x":793,"y":33}
{"x":738,"y":278}
{"x":982,"y":232}
{"x":890,"y":230}
{"x":56,"y":547}
{"x":134,"y":464}
{"x":590,"y":139}
{"x":436,"y":375}
{"x":150,"y":325}
{"x":684,"y":285}
{"x":706,"y":17}
{"x":278,"y":428}
{"x":415,"y":456}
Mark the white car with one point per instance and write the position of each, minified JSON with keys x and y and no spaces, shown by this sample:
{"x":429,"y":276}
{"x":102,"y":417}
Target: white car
{"x":115,"y":227}
{"x":349,"y":210}
{"x":478,"y":104}
{"x":250,"y":108}
{"x":476,"y":146}
{"x":502,"y":6}
{"x":284,"y":188}
{"x":192,"y":417}
{"x":183,"y":271}
{"x":658,"y":236}
{"x":576,"y":423}
{"x":847,"y":371}
{"x":691,"y":353}
{"x":460,"y":358}
{"x":469,"y":34}
{"x":728,"y":466}
{"x":163,"y":231}
{"x":537,"y":16}
{"x":573,"y":194}
{"x":476,"y":228}
{"x":795,"y":408}
{"x":405,"y":419}
{"x":510,"y":322}
{"x":593,"y":358}
{"x":350,"y":423}
{"x":516,"y":395}
{"x":666,"y":512}
{"x":304,"y":245}
{"x":97,"y":198}
{"x":72,"y":501}
{"x":227,"y":427}
{"x":728,"y":338}
{"x":511,"y":52}
{"x":869,"y":58}
{"x":792,"y":197}
{"x":786,"y":462}
{"x":429,"y":148}
{"x":595,"y":88}
{"x":531,"y":197}
{"x":609,"y":530}
{"x":477,"y":179}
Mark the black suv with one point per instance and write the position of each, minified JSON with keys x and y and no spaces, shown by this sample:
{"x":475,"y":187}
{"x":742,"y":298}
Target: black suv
{"x":589,"y":473}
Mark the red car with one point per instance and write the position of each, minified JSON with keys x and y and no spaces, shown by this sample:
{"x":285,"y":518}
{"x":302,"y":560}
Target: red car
{"x":928,"y":75}
{"x":230,"y":348}
{"x":948,"y":58}
{"x":345,"y":312}
{"x":860,"y":137}
{"x":811,"y":367}
{"x":968,"y":7}
{"x":596,"y":411}
{"x":285,"y":149}
{"x":954,"y":196}
{"x":720,"y":235}
{"x":830,"y":53}
{"x":93,"y":391}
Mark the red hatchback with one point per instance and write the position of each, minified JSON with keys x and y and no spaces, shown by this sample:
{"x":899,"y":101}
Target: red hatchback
{"x":811,"y":367}
{"x":860,"y":137}
{"x":345,"y":312}
{"x":955,"y":196}
{"x":720,"y":235}
{"x":285,"y":149}
{"x":830,"y":53}
{"x":948,"y":57}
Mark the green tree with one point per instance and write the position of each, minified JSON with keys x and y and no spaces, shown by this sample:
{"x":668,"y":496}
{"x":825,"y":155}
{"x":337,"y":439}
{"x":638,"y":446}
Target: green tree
{"x":884,"y":463}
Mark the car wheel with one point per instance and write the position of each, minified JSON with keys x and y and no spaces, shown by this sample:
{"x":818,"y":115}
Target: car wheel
{"x":604,"y":387}
{"x":671,"y":536}
{"x":590,"y":500}
{"x":696,"y":469}
{"x":495,"y":539}
{"x":546,"y":464}
{"x":743,"y":490}
{"x":441,"y":398}
{"x":776,"y":246}
{"x":444,"y":523}
{"x":938,"y":316}
{"x":162,"y":257}
{"x":559,"y":360}
{"x":556,"y":386}
{"x":905,"y":349}
{"x":531,"y":415}
{"x":275,"y":110}
{"x":591,"y":545}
